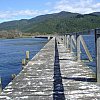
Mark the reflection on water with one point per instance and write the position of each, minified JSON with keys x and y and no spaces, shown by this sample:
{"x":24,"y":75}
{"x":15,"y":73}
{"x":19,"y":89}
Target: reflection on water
{"x":12,"y":51}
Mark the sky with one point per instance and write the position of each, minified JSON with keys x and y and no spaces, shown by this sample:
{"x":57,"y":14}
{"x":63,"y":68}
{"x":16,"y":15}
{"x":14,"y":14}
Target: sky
{"x":26,"y":9}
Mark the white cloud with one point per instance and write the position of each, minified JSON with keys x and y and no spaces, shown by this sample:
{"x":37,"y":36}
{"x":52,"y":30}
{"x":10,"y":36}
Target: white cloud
{"x":10,"y":15}
{"x":77,"y":6}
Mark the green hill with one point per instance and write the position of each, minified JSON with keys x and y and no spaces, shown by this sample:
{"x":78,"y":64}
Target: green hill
{"x":55,"y":23}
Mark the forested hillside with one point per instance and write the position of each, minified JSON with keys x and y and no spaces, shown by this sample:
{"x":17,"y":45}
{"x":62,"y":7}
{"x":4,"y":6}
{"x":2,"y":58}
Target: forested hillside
{"x":54,"y":23}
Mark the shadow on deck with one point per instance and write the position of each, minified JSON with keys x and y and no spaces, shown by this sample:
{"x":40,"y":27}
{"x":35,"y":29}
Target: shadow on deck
{"x":58,"y":91}
{"x":80,"y":79}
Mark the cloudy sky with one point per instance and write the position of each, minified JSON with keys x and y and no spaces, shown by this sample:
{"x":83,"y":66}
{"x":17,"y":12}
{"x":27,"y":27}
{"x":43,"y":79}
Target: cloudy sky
{"x":22,"y":9}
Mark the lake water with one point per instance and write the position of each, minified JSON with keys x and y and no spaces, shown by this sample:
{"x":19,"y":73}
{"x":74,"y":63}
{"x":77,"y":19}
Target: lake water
{"x":90,"y":42}
{"x":12,"y":51}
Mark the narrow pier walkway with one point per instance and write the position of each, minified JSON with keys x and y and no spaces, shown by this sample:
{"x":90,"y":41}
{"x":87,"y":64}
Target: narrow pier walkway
{"x":53,"y":74}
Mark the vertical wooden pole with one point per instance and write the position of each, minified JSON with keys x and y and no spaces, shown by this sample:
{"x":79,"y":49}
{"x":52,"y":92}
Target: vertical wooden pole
{"x":0,"y":85}
{"x":27,"y":55}
{"x":97,"y":40}
{"x":65,"y":41}
{"x":78,"y":47}
{"x":71,"y":46}
{"x":69,"y":42}
{"x":48,"y":37}
{"x":13,"y":76}
{"x":23,"y":62}
{"x":74,"y":40}
{"x":60,"y":39}
{"x":73,"y":43}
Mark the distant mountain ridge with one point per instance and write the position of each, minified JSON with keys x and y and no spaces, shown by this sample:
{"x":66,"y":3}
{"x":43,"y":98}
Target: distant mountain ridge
{"x":54,"y":23}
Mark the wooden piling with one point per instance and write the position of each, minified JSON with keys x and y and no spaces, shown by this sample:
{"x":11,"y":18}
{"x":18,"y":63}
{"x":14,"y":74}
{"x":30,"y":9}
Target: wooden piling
{"x":97,"y":40}
{"x":13,"y":76}
{"x":27,"y":55}
{"x":48,"y":37}
{"x":23,"y":62}
{"x":0,"y":85}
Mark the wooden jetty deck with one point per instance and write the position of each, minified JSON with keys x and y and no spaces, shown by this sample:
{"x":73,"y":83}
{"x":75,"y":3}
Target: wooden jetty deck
{"x":53,"y":74}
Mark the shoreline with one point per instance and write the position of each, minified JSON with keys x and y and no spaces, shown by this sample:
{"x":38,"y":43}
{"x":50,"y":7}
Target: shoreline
{"x":17,"y":37}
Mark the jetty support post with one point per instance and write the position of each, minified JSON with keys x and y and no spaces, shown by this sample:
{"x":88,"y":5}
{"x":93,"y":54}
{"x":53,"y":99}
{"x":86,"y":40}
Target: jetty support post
{"x":13,"y":76}
{"x":0,"y":84}
{"x":78,"y":48}
{"x":27,"y":57}
{"x":97,"y":40}
{"x":23,"y":63}
{"x":48,"y":37}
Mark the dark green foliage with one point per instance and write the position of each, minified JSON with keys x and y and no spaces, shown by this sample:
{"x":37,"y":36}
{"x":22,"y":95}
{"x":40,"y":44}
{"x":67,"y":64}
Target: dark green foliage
{"x":55,"y":23}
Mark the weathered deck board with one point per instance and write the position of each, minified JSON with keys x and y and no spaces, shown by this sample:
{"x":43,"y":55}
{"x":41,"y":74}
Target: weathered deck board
{"x":53,"y":74}
{"x":77,"y":78}
{"x":35,"y":82}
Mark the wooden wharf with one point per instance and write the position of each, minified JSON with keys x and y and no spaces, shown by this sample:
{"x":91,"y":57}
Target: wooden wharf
{"x":54,"y":73}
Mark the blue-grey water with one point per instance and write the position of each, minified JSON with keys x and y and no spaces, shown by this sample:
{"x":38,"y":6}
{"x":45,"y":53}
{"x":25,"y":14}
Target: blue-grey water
{"x":90,"y":42}
{"x":12,"y":51}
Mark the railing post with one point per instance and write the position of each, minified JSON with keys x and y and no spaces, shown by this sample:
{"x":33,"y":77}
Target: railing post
{"x":97,"y":40}
{"x":68,"y":41}
{"x":78,"y":48}
{"x":71,"y":44}
{"x":74,"y":40}
{"x":65,"y":41}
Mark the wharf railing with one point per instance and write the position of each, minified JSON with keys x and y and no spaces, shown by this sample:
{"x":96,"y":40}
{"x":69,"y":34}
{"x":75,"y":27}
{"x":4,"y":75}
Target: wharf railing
{"x":74,"y":40}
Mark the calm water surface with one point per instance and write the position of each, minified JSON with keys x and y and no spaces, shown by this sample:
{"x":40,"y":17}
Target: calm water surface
{"x":12,"y":51}
{"x":90,"y":42}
